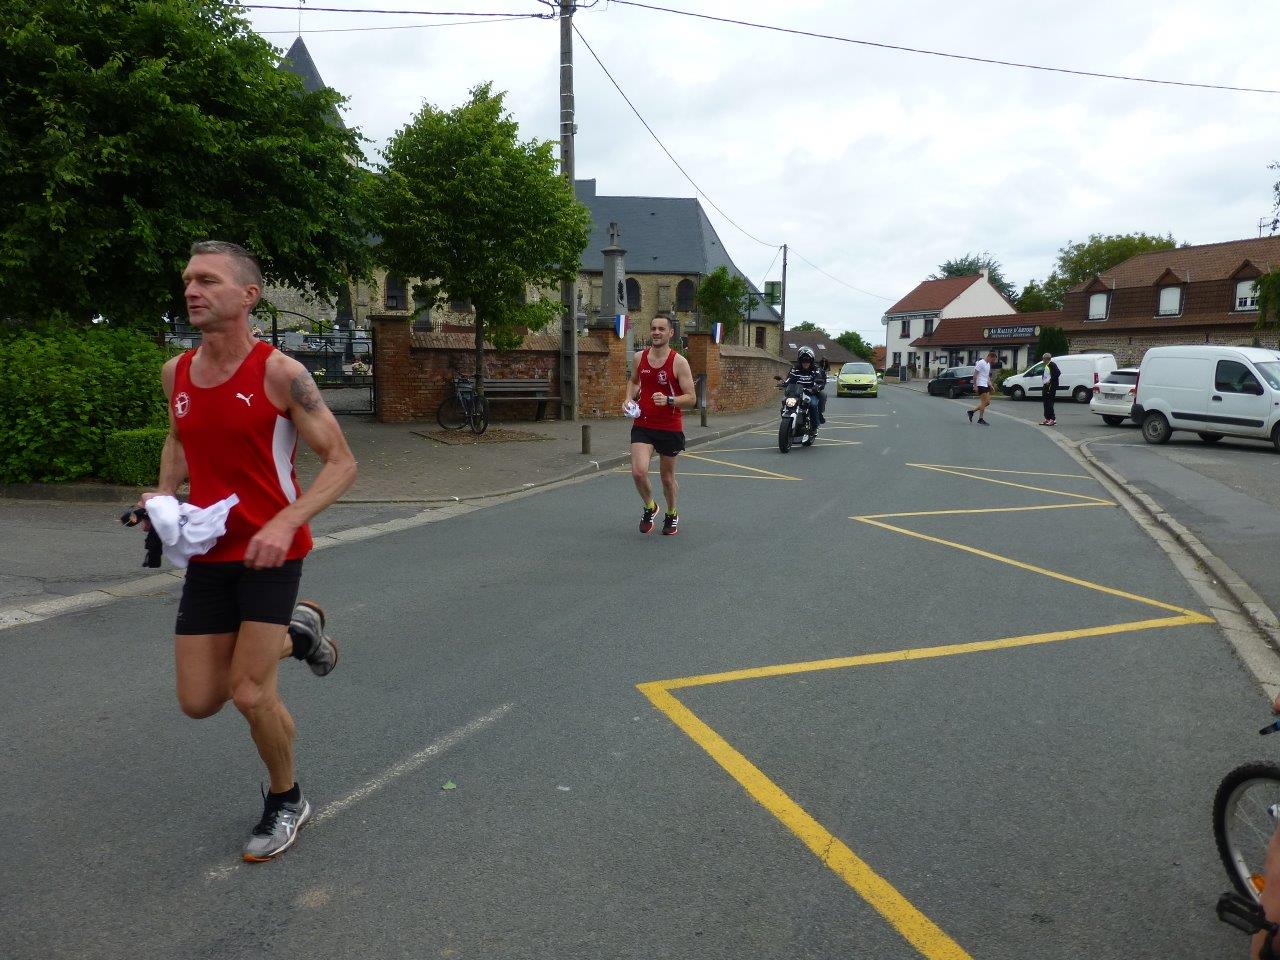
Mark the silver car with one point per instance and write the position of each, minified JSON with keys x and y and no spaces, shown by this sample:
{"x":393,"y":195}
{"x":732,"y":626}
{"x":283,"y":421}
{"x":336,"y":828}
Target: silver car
{"x":1113,"y":397}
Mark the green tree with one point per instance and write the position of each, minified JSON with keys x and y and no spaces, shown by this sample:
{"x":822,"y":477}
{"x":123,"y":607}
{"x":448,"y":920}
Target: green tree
{"x":479,"y":216}
{"x":1052,"y":340}
{"x":1078,"y":262}
{"x":810,"y":327}
{"x":723,"y":297}
{"x":972,"y":263}
{"x":1034,"y":297}
{"x":852,"y":341}
{"x":131,"y":128}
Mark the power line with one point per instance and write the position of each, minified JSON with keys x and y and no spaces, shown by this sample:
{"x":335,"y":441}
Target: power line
{"x":399,"y":26}
{"x":694,"y":183}
{"x":407,"y":13}
{"x":658,"y":140}
{"x":768,"y":268}
{"x":939,"y":53}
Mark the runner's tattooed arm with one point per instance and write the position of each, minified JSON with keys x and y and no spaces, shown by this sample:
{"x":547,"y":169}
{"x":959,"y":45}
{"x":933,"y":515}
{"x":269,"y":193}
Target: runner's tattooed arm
{"x":293,"y":391}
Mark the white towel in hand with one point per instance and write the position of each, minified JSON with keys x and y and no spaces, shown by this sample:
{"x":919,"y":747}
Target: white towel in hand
{"x":186,"y":531}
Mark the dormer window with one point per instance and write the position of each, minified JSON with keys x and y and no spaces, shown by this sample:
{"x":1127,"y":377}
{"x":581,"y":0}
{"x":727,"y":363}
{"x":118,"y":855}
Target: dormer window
{"x":1246,"y":295}
{"x":1170,"y":301}
{"x":1098,"y":306}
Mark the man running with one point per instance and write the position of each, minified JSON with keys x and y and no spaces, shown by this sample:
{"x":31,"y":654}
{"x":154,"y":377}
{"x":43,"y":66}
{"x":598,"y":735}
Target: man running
{"x":659,"y":371}
{"x":236,"y":408}
{"x":982,"y":383}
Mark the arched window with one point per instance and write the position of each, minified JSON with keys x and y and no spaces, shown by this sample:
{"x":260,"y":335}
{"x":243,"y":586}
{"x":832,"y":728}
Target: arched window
{"x":685,"y":291}
{"x":394,"y":298}
{"x":633,"y":295}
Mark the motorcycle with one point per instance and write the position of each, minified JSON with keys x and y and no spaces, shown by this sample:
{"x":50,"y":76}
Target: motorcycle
{"x":798,"y":417}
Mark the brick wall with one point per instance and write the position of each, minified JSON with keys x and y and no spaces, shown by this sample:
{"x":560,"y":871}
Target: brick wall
{"x":1130,"y":347}
{"x":602,"y":374}
{"x":746,"y":378}
{"x":703,"y":355}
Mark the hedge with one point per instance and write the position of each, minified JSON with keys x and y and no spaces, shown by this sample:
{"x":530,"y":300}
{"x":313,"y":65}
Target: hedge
{"x":64,"y":392}
{"x":133,"y":456}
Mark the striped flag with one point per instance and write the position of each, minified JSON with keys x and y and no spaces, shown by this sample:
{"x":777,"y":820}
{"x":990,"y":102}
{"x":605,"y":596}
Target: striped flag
{"x":621,"y":324}
{"x":717,"y":332}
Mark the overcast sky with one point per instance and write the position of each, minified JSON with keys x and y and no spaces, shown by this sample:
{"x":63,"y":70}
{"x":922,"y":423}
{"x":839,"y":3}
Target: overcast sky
{"x":876,"y":165}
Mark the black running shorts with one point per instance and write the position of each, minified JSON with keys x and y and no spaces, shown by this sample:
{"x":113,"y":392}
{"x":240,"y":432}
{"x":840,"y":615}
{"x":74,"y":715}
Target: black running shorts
{"x":982,"y":390}
{"x":218,"y":597}
{"x":667,"y":442}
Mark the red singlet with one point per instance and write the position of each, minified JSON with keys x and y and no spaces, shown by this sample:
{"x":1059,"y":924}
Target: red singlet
{"x":654,"y":416}
{"x":236,"y":441}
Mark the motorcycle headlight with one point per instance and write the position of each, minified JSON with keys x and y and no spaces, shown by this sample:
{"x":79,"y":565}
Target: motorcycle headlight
{"x":791,"y":401}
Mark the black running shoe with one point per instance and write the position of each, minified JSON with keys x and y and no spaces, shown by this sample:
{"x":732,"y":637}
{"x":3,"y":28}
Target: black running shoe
{"x":970,"y":413}
{"x":646,"y":519}
{"x":669,"y":524}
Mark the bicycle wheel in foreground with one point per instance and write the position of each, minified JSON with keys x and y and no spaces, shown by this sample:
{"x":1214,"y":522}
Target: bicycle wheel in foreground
{"x":1243,"y":823}
{"x":450,"y":414}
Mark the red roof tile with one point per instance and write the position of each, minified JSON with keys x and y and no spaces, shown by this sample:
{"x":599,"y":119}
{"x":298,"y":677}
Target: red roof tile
{"x":970,"y":331}
{"x":933,"y":294}
{"x":1208,"y":261}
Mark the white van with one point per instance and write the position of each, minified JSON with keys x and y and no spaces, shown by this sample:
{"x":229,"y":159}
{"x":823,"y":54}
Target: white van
{"x":1080,"y":371}
{"x":1215,"y":391}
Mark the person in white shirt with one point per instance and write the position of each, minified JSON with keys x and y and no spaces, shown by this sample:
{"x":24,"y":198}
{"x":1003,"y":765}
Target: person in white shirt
{"x":982,"y":383}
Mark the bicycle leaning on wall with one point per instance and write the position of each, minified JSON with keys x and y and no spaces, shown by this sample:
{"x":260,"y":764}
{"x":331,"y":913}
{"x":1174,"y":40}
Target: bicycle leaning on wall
{"x":464,"y":408}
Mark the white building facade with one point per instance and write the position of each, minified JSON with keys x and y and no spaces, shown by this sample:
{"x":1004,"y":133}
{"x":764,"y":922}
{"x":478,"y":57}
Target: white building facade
{"x":931,"y":302}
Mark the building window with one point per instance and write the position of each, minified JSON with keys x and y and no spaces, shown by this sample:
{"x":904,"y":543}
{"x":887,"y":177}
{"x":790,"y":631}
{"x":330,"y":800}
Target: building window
{"x":685,"y":291}
{"x":759,"y":335}
{"x":1098,"y":306}
{"x":906,"y":329}
{"x":593,"y":297}
{"x":1246,"y":295}
{"x":633,"y":295}
{"x":1170,"y":301}
{"x":394,"y":296}
{"x":897,"y":359}
{"x":460,"y":306}
{"x":928,"y":326}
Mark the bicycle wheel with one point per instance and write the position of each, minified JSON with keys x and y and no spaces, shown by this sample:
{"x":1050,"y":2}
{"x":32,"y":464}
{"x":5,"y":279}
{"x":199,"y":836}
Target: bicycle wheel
{"x":1243,"y":823}
{"x":479,"y":415}
{"x":451,"y":414}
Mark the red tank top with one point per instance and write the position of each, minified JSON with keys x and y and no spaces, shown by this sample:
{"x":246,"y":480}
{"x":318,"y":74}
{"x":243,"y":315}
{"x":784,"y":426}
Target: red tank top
{"x":655,"y":416}
{"x":236,"y":441}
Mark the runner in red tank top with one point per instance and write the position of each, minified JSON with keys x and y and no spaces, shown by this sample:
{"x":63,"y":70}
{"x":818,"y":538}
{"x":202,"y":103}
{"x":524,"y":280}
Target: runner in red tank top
{"x":236,"y":408}
{"x":661,"y":385}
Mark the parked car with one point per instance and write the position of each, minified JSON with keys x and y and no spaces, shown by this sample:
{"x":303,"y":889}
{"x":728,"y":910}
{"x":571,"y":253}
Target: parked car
{"x":952,"y":382}
{"x":1213,"y":391}
{"x":1113,"y":397}
{"x":857,"y":379}
{"x":1080,"y":372}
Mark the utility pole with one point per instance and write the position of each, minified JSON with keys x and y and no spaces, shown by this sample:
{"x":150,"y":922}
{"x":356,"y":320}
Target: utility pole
{"x":569,"y":320}
{"x":783,"y":311}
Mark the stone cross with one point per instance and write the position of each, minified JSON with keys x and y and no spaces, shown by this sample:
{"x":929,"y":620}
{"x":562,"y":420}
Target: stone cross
{"x":614,"y":233}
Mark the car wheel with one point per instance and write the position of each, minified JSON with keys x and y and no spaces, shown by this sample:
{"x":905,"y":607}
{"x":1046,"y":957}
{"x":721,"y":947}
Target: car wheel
{"x":1210,"y":437}
{"x":954,"y":393}
{"x":1017,"y":393}
{"x":1112,"y":421}
{"x":1080,"y":394}
{"x":1155,"y":428}
{"x":1275,"y":436}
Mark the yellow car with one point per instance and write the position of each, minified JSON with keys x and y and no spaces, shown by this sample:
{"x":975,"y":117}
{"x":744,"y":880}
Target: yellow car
{"x":857,"y":380}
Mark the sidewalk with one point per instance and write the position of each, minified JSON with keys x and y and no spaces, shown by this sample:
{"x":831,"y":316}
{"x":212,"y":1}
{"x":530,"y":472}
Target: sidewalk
{"x":420,"y":463}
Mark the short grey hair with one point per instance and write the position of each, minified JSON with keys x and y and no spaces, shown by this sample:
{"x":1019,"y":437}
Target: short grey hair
{"x":247,"y":269}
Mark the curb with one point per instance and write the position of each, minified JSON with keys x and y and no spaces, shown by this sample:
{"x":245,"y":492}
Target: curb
{"x":1255,"y":608}
{"x":111,"y":493}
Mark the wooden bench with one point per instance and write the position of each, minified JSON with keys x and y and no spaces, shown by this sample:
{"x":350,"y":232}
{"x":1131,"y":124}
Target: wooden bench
{"x":513,"y":389}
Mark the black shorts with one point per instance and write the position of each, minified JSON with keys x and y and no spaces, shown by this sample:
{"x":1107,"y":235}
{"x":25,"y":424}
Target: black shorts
{"x":667,"y":442}
{"x":982,"y":390}
{"x":218,"y":597}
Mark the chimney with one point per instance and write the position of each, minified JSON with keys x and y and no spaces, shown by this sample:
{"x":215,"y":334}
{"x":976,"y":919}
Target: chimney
{"x":986,"y":273}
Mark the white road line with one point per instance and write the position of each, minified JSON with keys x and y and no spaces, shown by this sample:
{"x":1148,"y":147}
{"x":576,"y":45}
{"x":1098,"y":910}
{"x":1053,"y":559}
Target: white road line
{"x":395,"y":772}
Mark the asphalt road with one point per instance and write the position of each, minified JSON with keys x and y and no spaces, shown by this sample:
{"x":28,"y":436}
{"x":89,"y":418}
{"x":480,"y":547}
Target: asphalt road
{"x":987,"y":743}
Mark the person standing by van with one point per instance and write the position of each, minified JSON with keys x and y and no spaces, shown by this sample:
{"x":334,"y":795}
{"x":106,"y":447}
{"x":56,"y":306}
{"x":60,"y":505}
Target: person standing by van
{"x":982,"y":383}
{"x":1051,"y":374}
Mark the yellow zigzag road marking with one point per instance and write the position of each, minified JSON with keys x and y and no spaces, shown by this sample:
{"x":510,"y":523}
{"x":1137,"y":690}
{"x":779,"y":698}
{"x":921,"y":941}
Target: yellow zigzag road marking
{"x":922,"y":933}
{"x":740,"y":466}
{"x":1021,"y":473}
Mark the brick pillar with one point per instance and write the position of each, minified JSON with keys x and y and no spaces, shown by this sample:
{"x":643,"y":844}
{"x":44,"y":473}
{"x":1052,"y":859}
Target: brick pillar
{"x":392,"y":369}
{"x":615,"y":379}
{"x":703,"y":355}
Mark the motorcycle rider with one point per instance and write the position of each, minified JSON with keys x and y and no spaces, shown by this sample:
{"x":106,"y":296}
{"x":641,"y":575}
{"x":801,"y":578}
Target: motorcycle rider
{"x":813,"y":380}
